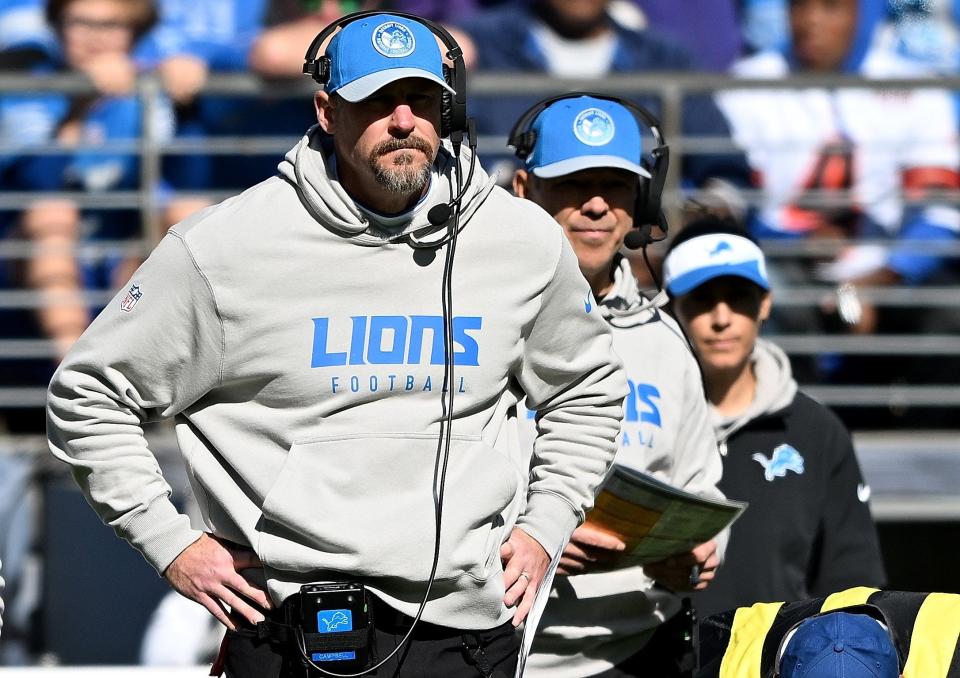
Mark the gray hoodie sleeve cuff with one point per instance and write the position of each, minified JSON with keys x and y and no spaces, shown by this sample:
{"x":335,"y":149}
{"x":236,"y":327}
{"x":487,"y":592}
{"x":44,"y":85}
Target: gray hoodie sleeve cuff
{"x":160,"y":533}
{"x":549,"y":519}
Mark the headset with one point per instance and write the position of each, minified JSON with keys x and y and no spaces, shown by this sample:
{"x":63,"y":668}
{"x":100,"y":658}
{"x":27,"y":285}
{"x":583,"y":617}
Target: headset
{"x":647,"y":211}
{"x":453,"y":107}
{"x":453,"y":124}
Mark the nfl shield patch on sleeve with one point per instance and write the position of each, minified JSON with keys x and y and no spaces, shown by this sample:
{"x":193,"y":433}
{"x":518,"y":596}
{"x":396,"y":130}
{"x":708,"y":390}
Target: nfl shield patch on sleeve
{"x":131,"y":298}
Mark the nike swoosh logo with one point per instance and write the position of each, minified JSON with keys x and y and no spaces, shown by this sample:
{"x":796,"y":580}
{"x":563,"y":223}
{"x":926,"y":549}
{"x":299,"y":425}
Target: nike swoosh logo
{"x":863,"y":493}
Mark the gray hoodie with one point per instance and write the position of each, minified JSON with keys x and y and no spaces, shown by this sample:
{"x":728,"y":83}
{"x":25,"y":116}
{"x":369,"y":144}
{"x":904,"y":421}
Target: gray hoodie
{"x":594,"y":621}
{"x":297,"y":341}
{"x":776,"y":388}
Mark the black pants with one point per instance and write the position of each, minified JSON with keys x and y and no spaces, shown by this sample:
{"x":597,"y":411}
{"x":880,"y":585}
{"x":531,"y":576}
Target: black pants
{"x":431,"y":651}
{"x":668,"y":654}
{"x":650,"y":662}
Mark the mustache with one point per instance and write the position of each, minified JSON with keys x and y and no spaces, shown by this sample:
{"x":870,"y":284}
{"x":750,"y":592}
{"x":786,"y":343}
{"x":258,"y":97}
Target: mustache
{"x":414,"y":143}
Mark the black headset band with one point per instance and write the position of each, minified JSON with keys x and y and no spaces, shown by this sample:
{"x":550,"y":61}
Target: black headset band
{"x":519,"y":134}
{"x":454,"y":51}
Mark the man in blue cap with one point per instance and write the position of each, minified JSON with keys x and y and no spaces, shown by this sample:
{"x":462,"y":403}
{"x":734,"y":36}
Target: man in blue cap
{"x":584,"y":162}
{"x":346,"y":393}
{"x":838,"y":644}
{"x":394,"y":76}
{"x":859,"y":632}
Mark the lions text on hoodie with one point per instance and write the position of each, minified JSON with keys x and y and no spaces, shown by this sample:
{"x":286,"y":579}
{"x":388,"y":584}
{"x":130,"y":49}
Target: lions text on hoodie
{"x":299,"y":347}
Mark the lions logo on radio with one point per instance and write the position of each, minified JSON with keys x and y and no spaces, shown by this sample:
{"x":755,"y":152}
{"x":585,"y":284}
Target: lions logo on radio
{"x":594,"y":127}
{"x":334,"y":619}
{"x":393,"y":39}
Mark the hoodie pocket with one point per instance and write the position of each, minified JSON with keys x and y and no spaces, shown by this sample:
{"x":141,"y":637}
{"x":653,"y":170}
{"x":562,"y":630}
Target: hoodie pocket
{"x":364,"y":504}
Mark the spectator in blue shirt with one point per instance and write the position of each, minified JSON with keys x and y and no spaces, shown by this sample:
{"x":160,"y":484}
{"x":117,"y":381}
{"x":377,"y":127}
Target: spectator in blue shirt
{"x":192,"y":41}
{"x":291,"y":27}
{"x":95,"y":38}
{"x":25,"y":38}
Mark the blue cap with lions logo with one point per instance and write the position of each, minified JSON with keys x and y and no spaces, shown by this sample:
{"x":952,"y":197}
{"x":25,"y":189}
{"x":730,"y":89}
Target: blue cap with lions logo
{"x":370,"y":53}
{"x":713,"y":255}
{"x":585,"y":133}
{"x":839,"y":645}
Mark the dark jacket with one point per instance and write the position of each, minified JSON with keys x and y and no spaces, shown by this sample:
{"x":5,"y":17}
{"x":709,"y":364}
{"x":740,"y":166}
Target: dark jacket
{"x":808,"y":530}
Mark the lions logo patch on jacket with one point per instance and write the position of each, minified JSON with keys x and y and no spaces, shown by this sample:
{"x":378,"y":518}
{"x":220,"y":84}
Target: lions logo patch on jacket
{"x":784,"y":458}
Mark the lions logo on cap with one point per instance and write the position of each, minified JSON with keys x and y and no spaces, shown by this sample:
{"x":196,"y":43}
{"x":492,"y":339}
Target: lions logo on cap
{"x":393,"y":39}
{"x":594,"y":127}
{"x":720,"y":248}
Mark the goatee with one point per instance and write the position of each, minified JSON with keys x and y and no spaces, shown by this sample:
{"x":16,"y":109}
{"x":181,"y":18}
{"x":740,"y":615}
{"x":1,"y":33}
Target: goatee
{"x":404,"y":176}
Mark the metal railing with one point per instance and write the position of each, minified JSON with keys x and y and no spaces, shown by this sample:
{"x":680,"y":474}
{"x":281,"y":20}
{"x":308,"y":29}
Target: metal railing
{"x":669,"y":88}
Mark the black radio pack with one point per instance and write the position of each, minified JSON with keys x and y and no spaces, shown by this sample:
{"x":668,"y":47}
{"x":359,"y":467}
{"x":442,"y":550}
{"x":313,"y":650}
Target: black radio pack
{"x":336,"y":626}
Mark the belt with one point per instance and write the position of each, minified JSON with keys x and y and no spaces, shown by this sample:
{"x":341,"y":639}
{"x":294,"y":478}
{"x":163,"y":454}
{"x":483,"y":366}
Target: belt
{"x":384,"y":618}
{"x":389,"y":620}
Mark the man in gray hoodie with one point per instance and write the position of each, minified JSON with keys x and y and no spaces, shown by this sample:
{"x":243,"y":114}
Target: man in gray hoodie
{"x":296,"y":333}
{"x":583,"y":161}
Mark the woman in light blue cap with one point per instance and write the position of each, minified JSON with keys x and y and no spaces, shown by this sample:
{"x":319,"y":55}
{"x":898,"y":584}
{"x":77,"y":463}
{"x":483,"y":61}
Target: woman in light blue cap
{"x":808,"y":529}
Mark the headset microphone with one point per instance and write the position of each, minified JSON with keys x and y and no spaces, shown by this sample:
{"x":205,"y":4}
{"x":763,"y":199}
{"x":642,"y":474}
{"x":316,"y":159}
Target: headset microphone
{"x":639,"y":238}
{"x":634,"y":240}
{"x":642,"y":236}
{"x":440,"y":214}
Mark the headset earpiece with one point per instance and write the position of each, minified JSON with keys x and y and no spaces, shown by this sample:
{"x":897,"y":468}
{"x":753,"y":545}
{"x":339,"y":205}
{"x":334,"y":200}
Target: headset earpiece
{"x":658,"y":177}
{"x":453,"y":107}
{"x":524,"y":143}
{"x":641,"y":207}
{"x":446,"y":105}
{"x":322,"y":75}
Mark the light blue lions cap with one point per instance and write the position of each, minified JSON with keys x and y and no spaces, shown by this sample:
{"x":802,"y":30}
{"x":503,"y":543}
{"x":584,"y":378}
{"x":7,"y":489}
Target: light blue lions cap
{"x":585,"y":133}
{"x":370,"y":53}
{"x":713,"y":255}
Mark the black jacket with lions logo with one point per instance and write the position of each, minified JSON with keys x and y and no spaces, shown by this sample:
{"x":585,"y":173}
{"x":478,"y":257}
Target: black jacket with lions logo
{"x":807,"y":531}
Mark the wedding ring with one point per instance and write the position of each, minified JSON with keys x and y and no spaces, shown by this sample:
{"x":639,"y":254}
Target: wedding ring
{"x":525,"y":576}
